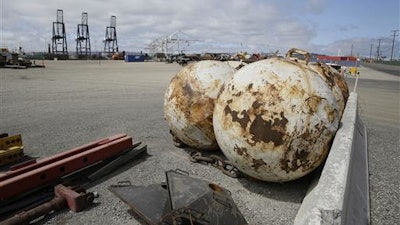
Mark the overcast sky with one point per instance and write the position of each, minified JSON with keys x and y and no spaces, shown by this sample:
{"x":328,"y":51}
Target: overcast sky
{"x":322,"y":26}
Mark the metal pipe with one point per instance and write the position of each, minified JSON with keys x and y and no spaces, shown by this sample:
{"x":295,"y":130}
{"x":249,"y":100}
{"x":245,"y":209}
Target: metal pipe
{"x":56,"y":203}
{"x":76,"y":199}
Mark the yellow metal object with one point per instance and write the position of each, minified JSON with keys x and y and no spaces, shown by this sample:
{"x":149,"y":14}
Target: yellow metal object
{"x":11,"y":149}
{"x":353,"y":71}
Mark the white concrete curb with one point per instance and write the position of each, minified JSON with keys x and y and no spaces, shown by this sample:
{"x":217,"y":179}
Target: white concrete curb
{"x":341,"y":194}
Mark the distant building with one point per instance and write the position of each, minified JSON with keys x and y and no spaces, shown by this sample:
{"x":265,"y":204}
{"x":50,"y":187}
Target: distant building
{"x":347,"y":61}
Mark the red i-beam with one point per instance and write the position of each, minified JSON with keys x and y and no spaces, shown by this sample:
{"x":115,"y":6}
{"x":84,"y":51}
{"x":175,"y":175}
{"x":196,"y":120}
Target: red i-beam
{"x":52,"y":168}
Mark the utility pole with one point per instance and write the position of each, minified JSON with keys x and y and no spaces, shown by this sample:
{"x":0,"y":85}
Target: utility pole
{"x":370,"y":52}
{"x":394,"y":38}
{"x":378,"y":49}
{"x":351,"y":52}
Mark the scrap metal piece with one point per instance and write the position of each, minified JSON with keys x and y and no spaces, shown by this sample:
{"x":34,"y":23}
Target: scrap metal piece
{"x":114,"y":164}
{"x":183,"y":200}
{"x":26,"y":203}
{"x":83,"y":177}
{"x":75,"y":198}
{"x":57,"y":203}
{"x":11,"y":148}
{"x":49,"y":170}
{"x":149,"y":202}
{"x":60,"y":156}
{"x":22,"y":164}
{"x":202,"y":202}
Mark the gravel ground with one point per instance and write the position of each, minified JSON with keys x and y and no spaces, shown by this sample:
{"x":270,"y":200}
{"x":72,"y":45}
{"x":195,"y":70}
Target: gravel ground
{"x":70,"y":103}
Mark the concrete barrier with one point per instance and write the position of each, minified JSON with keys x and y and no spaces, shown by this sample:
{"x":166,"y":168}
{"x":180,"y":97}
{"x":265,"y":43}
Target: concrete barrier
{"x":340,"y":195}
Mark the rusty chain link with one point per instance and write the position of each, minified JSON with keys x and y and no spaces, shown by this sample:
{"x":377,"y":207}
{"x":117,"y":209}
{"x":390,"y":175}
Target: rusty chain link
{"x":216,"y":161}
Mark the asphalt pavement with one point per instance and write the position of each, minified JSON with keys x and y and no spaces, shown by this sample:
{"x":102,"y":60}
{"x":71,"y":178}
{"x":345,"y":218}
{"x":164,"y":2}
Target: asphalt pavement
{"x":389,"y":69}
{"x":379,"y":99}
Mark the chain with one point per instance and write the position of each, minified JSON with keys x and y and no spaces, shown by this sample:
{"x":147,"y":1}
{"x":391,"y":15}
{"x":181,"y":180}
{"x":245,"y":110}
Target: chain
{"x":216,"y":161}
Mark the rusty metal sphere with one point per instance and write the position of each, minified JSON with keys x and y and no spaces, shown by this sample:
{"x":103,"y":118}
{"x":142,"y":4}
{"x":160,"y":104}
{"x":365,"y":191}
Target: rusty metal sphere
{"x":189,"y":102}
{"x":275,"y":119}
{"x":335,"y":81}
{"x":236,"y":64}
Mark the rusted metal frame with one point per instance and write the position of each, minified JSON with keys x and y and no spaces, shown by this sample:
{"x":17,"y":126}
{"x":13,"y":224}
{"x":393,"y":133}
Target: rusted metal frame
{"x":183,"y":200}
{"x":83,"y":177}
{"x":56,"y":203}
{"x":76,"y":200}
{"x":26,"y":202}
{"x":117,"y":162}
{"x":19,"y":166}
{"x":20,"y":170}
{"x":96,"y":171}
{"x":43,"y":193}
{"x":87,"y":155}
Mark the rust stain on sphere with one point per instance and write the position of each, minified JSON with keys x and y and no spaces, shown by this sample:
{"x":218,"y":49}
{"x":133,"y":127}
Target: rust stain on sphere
{"x":189,"y":102}
{"x":335,"y":81}
{"x":275,"y":119}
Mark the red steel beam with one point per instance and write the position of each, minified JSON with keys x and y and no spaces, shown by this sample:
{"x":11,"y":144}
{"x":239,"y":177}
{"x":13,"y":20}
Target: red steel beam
{"x":62,"y":166}
{"x":21,"y":168}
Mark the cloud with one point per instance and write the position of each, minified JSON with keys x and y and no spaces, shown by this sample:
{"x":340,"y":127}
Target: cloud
{"x":362,"y":47}
{"x":346,"y":27}
{"x":139,"y":22}
{"x":252,"y":25}
{"x":315,"y":6}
